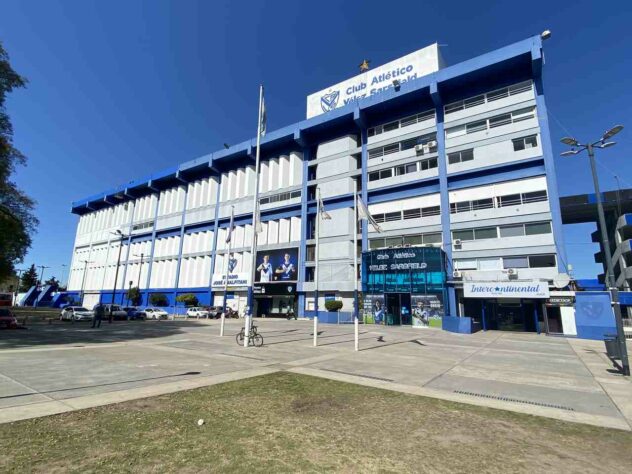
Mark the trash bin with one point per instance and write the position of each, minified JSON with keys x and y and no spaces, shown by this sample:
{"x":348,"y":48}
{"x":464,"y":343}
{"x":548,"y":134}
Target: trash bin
{"x":612,"y":346}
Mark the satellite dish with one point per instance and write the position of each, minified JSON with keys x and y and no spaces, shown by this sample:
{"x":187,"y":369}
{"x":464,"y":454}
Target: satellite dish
{"x":561,"y":280}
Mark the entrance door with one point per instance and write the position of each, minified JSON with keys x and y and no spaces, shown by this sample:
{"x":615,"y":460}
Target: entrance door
{"x":398,"y":309}
{"x":554,"y":320}
{"x":393,"y":310}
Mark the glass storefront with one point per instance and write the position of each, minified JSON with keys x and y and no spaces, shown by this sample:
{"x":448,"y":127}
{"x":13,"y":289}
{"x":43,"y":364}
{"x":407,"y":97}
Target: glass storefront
{"x":404,"y":286}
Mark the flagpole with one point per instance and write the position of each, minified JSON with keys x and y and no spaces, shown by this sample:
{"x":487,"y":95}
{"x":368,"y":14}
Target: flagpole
{"x":356,"y":325}
{"x":255,"y":208}
{"x":316,"y":266}
{"x":230,"y":241}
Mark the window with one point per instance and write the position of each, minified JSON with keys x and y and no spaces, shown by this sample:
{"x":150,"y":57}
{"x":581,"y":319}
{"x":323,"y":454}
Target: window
{"x":405,"y":122}
{"x":489,"y":264}
{"x":523,"y":114}
{"x":408,"y":144}
{"x":400,"y":170}
{"x":511,"y":230}
{"x":280,"y":197}
{"x":387,"y":173}
{"x":392,"y":241}
{"x":460,"y":156}
{"x":413,"y":240}
{"x":509,"y":200}
{"x":525,"y":142}
{"x":379,"y":218}
{"x":485,"y":233}
{"x":466,"y":264}
{"x":476,"y":126}
{"x":411,"y":168}
{"x":515,"y":262}
{"x":430,"y":211}
{"x":489,"y":97}
{"x":374,"y":176}
{"x":412,"y":213}
{"x":392,"y":216}
{"x":463,"y":235}
{"x":486,"y":203}
{"x":404,"y":145}
{"x":537,"y":228}
{"x":534,"y":196}
{"x":376,"y":243}
{"x":541,"y":261}
{"x":499,"y":120}
{"x":434,"y":238}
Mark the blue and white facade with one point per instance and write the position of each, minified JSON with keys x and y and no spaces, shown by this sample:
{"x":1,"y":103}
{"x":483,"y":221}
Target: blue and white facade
{"x":459,"y":158}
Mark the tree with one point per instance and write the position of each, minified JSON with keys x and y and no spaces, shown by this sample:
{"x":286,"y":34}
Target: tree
{"x":17,"y":220}
{"x":333,"y":305}
{"x":158,"y":299}
{"x":133,"y":294}
{"x":54,"y":282}
{"x":189,"y":299}
{"x":29,"y":279}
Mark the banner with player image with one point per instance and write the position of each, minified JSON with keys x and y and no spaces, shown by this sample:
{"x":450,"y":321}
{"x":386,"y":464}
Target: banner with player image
{"x":374,"y":309}
{"x":427,"y":310}
{"x":277,"y":266}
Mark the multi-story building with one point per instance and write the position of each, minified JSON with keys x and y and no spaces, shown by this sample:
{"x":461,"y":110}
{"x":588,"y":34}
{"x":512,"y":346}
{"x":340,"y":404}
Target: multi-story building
{"x":453,"y":160}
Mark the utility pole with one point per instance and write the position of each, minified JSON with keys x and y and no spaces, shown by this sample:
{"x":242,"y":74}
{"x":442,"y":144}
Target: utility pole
{"x":41,"y":279}
{"x":118,"y":262}
{"x":605,"y":241}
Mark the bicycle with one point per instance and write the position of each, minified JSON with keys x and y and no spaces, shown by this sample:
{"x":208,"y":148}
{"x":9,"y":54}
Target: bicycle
{"x":254,"y":337}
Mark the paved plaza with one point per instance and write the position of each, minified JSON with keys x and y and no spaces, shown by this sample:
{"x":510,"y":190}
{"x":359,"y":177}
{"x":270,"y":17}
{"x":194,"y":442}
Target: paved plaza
{"x":61,"y":367}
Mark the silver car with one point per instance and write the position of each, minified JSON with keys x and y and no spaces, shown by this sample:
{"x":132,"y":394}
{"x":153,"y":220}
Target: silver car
{"x":76,"y":313}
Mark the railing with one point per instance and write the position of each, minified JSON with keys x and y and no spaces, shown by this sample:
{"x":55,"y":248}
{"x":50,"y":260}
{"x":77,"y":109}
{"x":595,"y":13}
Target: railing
{"x":489,"y":97}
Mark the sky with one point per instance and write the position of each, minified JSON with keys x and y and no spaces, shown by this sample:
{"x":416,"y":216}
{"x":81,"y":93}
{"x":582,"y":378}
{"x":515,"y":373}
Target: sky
{"x":120,"y":89}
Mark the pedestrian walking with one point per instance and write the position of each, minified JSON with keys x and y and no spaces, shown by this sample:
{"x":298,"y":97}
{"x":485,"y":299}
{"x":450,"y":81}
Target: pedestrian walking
{"x":99,"y":312}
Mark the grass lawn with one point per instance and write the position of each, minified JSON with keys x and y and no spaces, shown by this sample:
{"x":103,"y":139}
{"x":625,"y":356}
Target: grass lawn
{"x":286,"y":422}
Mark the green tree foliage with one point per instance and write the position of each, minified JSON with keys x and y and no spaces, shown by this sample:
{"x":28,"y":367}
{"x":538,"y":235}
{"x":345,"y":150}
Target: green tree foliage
{"x":29,"y":278}
{"x":17,"y":220}
{"x":189,"y":299}
{"x":54,"y":282}
{"x":158,"y":299}
{"x":134,"y":296}
{"x":333,"y":305}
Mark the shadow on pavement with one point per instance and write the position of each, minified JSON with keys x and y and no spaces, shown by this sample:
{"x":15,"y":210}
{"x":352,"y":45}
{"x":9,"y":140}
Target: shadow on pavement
{"x":83,"y":333}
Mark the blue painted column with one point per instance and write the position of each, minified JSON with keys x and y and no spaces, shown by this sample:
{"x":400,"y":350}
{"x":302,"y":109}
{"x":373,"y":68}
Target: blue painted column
{"x":304,"y":231}
{"x":215,"y":232}
{"x":153,"y":245}
{"x":446,"y":236}
{"x":129,"y":248}
{"x":180,"y":245}
{"x":551,"y":177}
{"x":484,"y":320}
{"x":535,"y":317}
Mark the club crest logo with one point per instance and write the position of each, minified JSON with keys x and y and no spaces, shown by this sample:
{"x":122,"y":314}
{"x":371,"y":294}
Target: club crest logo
{"x":329,"y":101}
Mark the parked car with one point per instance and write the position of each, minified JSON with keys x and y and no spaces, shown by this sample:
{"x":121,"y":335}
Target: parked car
{"x":7,"y":319}
{"x":117,"y":312}
{"x":197,"y":312}
{"x":214,"y":312}
{"x":133,"y":312}
{"x":155,"y":313}
{"x":76,"y":313}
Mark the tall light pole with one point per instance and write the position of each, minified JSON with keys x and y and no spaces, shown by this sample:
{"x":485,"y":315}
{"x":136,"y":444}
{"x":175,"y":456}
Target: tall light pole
{"x":63,"y":275}
{"x":140,"y":273}
{"x":605,"y":241}
{"x":118,"y":261}
{"x":41,"y":279}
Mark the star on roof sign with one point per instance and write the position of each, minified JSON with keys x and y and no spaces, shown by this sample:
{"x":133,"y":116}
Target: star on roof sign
{"x":364,"y":65}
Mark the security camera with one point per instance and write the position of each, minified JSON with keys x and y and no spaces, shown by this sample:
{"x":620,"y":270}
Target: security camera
{"x":545,"y":35}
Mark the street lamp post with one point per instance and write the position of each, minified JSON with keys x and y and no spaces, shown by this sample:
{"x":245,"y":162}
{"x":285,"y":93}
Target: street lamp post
{"x":118,"y":261}
{"x":605,"y":241}
{"x":140,"y":273}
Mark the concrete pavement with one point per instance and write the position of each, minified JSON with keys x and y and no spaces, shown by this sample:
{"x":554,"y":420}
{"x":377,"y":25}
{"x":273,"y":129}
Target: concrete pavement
{"x":63,"y":367}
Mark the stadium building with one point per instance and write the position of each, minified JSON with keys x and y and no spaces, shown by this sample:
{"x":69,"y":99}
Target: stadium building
{"x":454,"y":162}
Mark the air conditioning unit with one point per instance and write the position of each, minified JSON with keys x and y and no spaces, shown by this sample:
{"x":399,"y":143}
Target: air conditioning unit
{"x":457,"y":242}
{"x":431,"y":144}
{"x":512,"y":272}
{"x":420,"y":149}
{"x":456,"y":274}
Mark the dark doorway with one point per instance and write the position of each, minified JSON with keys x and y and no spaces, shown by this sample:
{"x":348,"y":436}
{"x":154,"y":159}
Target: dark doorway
{"x":554,"y":320}
{"x":398,"y":309}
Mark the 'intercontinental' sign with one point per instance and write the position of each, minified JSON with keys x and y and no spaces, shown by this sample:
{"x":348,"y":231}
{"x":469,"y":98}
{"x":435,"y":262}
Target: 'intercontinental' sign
{"x":518,"y":289}
{"x":412,"y":66}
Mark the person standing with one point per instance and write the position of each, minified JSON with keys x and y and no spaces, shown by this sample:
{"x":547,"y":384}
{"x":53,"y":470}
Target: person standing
{"x":110,"y":311}
{"x":99,"y":312}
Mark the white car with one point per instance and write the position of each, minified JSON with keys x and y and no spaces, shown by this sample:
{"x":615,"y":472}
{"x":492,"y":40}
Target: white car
{"x":197,"y":312}
{"x":76,"y":313}
{"x":155,"y":313}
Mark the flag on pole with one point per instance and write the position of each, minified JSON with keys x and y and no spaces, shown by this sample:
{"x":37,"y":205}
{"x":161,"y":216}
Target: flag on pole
{"x":263,"y":118}
{"x":231,"y":225}
{"x":364,"y":214}
{"x":324,"y":215}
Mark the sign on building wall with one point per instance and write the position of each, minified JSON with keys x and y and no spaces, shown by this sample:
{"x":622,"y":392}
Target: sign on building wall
{"x":277,"y":266}
{"x":234,"y":279}
{"x":412,"y":66}
{"x":517,"y":289}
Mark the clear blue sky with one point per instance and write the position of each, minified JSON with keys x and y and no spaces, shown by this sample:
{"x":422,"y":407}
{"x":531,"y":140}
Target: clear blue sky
{"x":119,"y":89}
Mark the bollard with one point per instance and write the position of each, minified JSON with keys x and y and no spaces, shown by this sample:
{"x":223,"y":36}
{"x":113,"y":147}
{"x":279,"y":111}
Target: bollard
{"x":315,"y":331}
